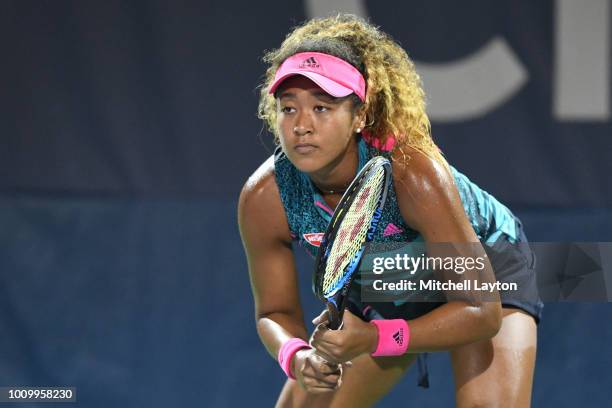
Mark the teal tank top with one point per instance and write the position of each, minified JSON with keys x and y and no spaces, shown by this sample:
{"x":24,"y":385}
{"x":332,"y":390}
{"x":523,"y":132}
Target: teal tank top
{"x":308,"y":214}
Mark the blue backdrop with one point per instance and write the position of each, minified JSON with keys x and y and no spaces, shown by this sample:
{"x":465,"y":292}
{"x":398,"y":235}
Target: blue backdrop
{"x":128,"y":129}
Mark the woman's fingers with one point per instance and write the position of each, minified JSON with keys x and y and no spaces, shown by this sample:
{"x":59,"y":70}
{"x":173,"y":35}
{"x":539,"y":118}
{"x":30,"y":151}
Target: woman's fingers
{"x":326,"y":347}
{"x":321,"y":366}
{"x":320,"y":376}
{"x":319,"y":390}
{"x":327,"y":357}
{"x":319,"y":340}
{"x":311,"y":379}
{"x":322,"y":318}
{"x":330,"y":380}
{"x":322,"y":335}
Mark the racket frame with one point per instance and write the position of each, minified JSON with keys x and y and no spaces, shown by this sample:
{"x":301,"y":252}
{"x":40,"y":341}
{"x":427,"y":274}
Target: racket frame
{"x":336,"y":300}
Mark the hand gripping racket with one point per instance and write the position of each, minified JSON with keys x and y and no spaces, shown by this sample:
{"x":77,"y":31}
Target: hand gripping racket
{"x":353,"y":224}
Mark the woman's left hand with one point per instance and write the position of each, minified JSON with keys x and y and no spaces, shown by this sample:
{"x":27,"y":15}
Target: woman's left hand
{"x":340,"y":346}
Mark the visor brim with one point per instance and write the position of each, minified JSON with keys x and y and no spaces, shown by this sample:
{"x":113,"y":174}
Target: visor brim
{"x":329,"y":86}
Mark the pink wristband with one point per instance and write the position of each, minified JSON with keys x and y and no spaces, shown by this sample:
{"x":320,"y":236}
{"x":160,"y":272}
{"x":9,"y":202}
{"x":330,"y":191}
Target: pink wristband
{"x":393,"y":337}
{"x":286,"y":352}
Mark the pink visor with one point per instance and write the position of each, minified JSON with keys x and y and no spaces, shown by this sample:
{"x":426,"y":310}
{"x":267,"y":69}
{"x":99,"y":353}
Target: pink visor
{"x":334,"y":75}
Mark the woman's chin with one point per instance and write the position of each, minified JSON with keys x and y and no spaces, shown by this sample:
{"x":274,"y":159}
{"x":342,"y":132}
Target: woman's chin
{"x":306,"y":164}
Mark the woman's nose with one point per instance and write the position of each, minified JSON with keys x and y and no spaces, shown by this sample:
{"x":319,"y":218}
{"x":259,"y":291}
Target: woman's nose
{"x":301,"y":130}
{"x":303,"y":125}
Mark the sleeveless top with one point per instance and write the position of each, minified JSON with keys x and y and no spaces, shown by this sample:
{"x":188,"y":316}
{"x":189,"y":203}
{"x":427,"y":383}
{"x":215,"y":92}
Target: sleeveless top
{"x":308,"y":214}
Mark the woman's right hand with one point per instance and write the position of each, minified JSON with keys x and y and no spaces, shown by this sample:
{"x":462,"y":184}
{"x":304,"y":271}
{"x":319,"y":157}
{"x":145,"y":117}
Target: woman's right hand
{"x":314,"y":374}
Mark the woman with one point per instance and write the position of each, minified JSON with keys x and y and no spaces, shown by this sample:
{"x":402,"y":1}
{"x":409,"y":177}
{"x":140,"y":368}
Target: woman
{"x":337,"y":92}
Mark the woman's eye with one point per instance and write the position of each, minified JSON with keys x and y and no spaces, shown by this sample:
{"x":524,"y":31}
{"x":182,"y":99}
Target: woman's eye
{"x":287,"y":109}
{"x":321,"y":109}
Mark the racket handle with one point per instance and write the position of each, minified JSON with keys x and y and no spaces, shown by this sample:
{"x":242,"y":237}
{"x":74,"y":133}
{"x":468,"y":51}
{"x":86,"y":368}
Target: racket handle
{"x":334,"y":316}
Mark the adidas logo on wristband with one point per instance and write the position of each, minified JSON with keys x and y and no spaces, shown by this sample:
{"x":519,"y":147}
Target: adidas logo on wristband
{"x":393,"y":337}
{"x":399,"y":337}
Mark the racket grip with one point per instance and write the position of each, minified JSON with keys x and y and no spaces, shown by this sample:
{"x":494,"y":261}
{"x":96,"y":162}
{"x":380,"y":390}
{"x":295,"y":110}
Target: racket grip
{"x":333,"y":317}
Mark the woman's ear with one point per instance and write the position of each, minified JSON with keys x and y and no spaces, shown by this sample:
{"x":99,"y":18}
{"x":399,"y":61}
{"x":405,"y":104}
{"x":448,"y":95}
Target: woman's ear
{"x":360,"y":119}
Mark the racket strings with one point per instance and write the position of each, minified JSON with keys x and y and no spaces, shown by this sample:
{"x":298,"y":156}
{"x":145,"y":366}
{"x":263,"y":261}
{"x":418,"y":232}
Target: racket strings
{"x":353,"y":231}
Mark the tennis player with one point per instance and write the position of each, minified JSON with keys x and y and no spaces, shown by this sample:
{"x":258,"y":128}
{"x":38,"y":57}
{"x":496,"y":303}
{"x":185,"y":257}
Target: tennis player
{"x":337,"y":92}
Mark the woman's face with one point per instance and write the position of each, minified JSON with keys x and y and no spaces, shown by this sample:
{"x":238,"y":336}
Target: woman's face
{"x":315,"y":129}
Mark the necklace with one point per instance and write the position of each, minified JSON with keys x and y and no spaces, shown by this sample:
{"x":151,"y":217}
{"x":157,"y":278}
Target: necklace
{"x":330,"y":191}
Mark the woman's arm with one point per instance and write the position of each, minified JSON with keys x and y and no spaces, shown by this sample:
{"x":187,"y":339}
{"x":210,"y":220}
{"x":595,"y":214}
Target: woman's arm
{"x":267,"y":243}
{"x":430,"y":203}
{"x":278,"y":312}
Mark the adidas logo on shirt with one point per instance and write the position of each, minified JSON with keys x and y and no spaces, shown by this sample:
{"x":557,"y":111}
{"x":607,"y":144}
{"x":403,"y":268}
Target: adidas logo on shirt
{"x":392,"y":229}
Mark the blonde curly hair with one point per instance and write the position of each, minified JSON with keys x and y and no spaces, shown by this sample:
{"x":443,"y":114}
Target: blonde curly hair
{"x":395,"y":100}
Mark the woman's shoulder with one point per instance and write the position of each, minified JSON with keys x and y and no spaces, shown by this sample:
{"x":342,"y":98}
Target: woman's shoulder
{"x":260,"y":187}
{"x":260,"y":204}
{"x":261,"y":178}
{"x":423,"y":186}
{"x":420,"y":173}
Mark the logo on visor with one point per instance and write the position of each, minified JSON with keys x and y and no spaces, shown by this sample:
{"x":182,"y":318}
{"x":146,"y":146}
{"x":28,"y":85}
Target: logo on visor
{"x":309,"y":63}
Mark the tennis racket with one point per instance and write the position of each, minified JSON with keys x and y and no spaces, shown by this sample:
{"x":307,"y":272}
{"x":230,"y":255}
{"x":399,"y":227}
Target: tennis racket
{"x":353,"y":224}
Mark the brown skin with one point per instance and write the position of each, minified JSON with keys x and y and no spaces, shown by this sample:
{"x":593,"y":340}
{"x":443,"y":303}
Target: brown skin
{"x":317,"y":134}
{"x":330,"y":157}
{"x":496,"y":372}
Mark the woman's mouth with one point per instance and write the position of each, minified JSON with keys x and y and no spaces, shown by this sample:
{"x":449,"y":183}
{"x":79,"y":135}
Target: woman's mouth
{"x":304,"y":148}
